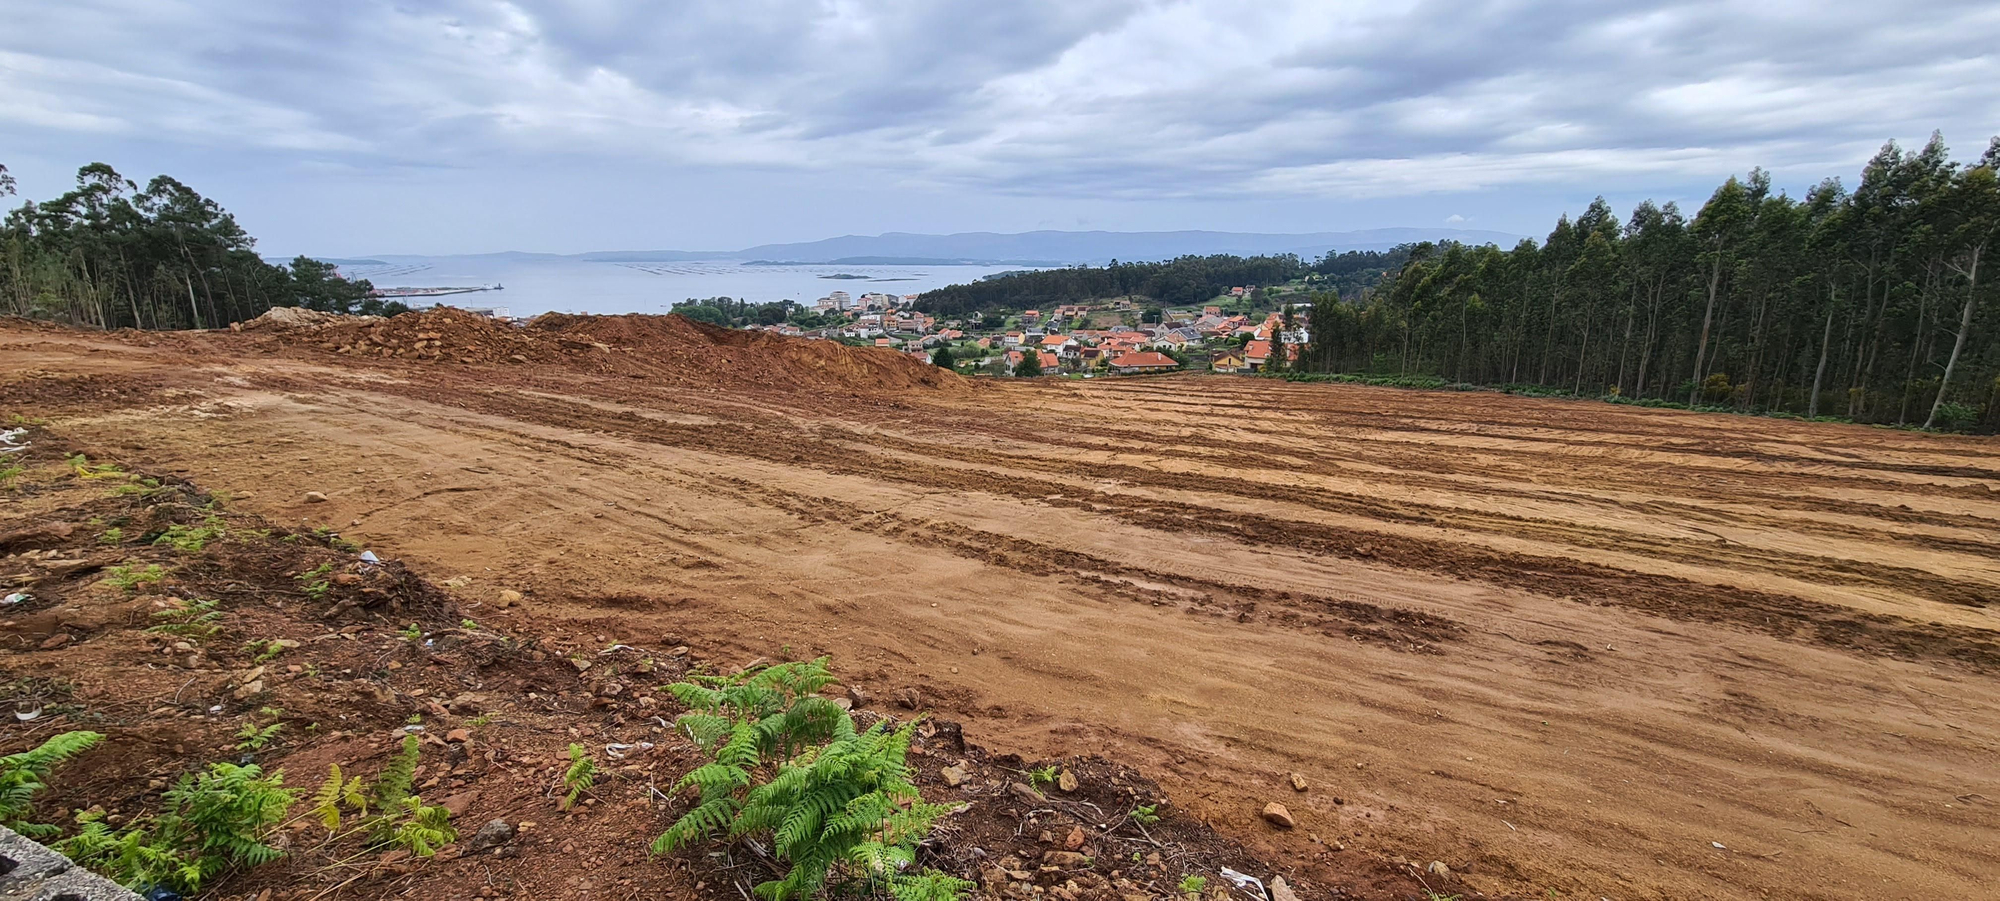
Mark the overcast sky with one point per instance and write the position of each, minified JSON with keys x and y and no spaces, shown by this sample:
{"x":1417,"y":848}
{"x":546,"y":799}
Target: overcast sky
{"x":438,"y":126}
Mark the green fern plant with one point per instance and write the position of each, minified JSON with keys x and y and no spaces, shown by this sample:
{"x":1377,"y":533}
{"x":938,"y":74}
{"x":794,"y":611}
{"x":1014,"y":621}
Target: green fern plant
{"x":582,"y":774}
{"x":191,"y":619}
{"x":191,"y":539}
{"x":392,"y":785}
{"x":400,"y":818}
{"x":253,"y":738}
{"x":264,"y":651}
{"x":215,"y":821}
{"x":315,"y":582}
{"x":334,"y":794}
{"x":25,"y":774}
{"x":9,"y":473}
{"x":791,"y":766}
{"x":420,"y":829}
{"x":127,"y":578}
{"x":780,"y":703}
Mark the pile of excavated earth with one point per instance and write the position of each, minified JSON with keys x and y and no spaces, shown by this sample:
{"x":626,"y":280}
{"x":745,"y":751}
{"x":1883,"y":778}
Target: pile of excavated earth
{"x":671,"y":350}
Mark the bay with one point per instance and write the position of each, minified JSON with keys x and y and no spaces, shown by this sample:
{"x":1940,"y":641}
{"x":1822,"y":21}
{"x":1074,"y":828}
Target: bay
{"x":537,"y":285}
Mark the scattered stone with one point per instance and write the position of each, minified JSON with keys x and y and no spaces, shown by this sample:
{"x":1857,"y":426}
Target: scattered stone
{"x":1074,"y":840}
{"x":843,"y":703}
{"x":580,"y":663}
{"x":858,"y":697}
{"x":1025,"y":793}
{"x":458,"y":736}
{"x":954,"y":775}
{"x":491,"y":835}
{"x":1066,"y":781}
{"x":1438,"y":869}
{"x":507,"y":597}
{"x":55,"y":641}
{"x":1298,"y":783}
{"x":1276,"y":814}
{"x":250,"y":690}
{"x":1065,"y":859}
{"x":458,"y":804}
{"x":315,"y":497}
{"x":909,"y":699}
{"x":1281,"y":891}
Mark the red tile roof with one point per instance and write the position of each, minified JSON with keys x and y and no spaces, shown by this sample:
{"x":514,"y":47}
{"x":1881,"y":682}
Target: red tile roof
{"x":1143,"y":360}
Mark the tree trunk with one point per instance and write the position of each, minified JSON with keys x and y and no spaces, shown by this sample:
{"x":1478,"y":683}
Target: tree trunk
{"x":1825,"y":343}
{"x":1964,"y":328}
{"x":1707,"y":317}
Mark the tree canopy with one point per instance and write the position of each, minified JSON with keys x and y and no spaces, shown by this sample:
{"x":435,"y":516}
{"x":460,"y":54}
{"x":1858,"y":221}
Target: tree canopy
{"x":109,"y":254}
{"x":1874,"y":305}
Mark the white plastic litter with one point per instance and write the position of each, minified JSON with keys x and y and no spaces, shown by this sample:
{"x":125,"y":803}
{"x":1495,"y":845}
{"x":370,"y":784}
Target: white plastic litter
{"x":16,"y":598}
{"x":1245,"y":881}
{"x":369,"y":557}
{"x":617,"y":751}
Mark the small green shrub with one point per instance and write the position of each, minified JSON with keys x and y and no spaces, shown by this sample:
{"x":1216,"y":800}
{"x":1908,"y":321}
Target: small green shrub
{"x":1193,"y":885}
{"x":9,"y":473}
{"x":1145,"y":814}
{"x":23,"y":775}
{"x":113,"y":535}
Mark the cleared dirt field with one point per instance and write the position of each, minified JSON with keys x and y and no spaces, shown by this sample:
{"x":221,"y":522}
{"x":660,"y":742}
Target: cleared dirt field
{"x":1571,"y":650}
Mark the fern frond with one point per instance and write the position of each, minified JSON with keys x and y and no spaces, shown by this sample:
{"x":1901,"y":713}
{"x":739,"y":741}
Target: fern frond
{"x":393,"y":784}
{"x":326,"y":801}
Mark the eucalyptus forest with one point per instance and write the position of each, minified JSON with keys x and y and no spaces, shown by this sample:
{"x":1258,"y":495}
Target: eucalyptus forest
{"x":110,"y":254}
{"x":1873,"y":304}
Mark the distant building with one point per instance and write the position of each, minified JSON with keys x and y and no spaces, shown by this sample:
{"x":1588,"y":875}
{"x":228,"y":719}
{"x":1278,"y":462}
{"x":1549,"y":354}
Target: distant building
{"x":1143,"y":361}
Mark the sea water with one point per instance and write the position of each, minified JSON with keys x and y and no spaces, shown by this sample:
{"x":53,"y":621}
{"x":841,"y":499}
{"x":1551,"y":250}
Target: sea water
{"x":533,"y":286}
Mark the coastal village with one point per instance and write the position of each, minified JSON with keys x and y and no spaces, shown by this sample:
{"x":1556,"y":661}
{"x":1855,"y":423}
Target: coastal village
{"x":1078,"y":340}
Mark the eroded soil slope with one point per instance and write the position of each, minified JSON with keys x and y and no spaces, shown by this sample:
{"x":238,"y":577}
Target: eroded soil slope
{"x":1560,"y":647}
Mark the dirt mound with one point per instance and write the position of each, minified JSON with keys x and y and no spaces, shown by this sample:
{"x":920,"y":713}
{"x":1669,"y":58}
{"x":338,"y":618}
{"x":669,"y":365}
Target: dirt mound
{"x":670,"y":350}
{"x":295,"y":317}
{"x":702,"y":352}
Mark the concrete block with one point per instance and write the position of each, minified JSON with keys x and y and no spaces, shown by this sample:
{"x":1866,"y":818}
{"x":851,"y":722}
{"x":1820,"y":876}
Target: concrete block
{"x":31,"y":872}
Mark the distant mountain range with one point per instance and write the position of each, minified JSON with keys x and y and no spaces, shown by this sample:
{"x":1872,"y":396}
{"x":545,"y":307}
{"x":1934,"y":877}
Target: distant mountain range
{"x":1038,"y":248}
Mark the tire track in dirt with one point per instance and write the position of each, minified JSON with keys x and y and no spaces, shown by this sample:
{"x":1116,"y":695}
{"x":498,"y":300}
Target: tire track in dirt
{"x":1809,"y":568}
{"x":1780,"y":615}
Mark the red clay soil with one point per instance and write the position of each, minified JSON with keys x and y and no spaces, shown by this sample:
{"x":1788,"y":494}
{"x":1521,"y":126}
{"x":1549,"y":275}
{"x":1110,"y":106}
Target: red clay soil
{"x":667,"y":350}
{"x":497,"y":702}
{"x":1572,"y":650}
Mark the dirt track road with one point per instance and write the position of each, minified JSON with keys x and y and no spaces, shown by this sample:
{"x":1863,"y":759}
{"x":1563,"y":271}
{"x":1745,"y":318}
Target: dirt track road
{"x":1565,"y":648}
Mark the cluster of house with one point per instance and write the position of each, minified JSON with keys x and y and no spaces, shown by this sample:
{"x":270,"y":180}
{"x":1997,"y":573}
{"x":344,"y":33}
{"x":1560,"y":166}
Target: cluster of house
{"x":1230,"y":342}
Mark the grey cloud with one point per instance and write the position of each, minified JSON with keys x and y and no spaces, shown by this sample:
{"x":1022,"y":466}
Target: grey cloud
{"x":1119,"y":100}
